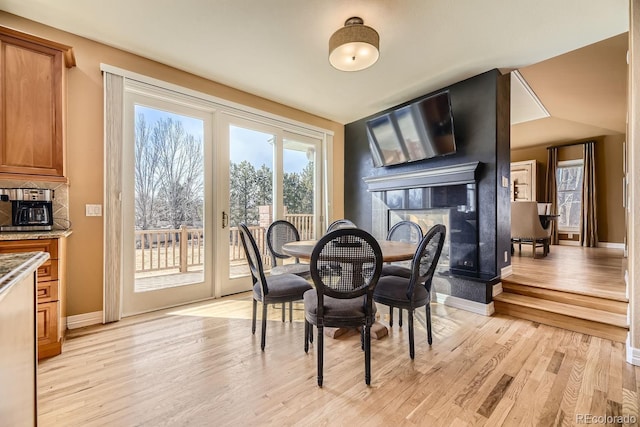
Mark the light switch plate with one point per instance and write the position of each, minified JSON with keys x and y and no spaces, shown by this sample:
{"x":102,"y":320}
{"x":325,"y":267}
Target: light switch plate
{"x":93,"y":210}
{"x":505,"y":182}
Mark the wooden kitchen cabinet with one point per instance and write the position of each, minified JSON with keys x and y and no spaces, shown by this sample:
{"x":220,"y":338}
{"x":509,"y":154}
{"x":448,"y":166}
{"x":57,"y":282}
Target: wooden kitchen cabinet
{"x":32,"y":89}
{"x":51,"y":309}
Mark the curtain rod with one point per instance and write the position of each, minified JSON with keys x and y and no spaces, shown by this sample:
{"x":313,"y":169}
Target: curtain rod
{"x":570,"y":144}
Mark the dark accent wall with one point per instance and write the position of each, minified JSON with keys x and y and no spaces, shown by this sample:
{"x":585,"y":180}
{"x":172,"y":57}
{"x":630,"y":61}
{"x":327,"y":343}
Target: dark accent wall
{"x":480,"y":108}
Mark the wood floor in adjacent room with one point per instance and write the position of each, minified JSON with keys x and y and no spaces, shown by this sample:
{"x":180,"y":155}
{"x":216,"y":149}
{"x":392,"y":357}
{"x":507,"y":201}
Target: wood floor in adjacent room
{"x":587,"y":271}
{"x":200,"y":366}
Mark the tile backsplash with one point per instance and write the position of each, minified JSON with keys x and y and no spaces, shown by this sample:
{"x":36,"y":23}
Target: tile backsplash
{"x":60,"y":201}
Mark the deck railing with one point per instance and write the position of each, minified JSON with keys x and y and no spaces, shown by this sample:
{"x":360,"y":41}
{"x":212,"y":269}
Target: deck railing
{"x":158,"y":250}
{"x":162,"y":249}
{"x":304,"y":223}
{"x":236,"y":251}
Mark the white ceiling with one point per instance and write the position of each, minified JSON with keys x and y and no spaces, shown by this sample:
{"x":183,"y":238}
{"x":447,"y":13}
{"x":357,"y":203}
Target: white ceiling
{"x":278,"y":49}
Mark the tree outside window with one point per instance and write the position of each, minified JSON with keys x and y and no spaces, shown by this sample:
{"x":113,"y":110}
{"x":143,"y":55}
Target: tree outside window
{"x":569,"y":185}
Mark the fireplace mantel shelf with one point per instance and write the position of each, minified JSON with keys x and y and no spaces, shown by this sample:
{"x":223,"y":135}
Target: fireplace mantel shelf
{"x":449,"y":175}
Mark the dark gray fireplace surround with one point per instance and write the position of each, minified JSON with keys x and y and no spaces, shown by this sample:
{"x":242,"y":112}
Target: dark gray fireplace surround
{"x":463,"y":189}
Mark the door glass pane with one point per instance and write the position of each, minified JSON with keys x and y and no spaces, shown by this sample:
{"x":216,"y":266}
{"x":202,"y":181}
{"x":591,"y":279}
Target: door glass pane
{"x":169,"y":199}
{"x":251,"y":193}
{"x":299,"y":164}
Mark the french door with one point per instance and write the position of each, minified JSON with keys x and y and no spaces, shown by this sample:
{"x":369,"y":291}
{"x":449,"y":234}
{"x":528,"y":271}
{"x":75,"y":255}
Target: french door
{"x":268,"y":173}
{"x":167,"y":203}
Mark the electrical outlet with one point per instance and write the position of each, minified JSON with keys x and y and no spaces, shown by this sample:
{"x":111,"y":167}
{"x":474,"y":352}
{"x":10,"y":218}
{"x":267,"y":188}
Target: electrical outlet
{"x":505,"y":182}
{"x":93,"y":210}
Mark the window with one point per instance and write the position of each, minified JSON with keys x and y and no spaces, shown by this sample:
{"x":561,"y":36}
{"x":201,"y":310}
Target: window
{"x":569,"y":184}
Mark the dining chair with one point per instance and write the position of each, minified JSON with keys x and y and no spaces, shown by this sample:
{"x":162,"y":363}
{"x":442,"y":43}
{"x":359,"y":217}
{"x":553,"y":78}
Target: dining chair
{"x":279,"y":233}
{"x":344,"y":300}
{"x":281,"y":288}
{"x":403,"y":231}
{"x":335,"y":225}
{"x":341,"y":223}
{"x":415,"y":291}
{"x":526,"y":228}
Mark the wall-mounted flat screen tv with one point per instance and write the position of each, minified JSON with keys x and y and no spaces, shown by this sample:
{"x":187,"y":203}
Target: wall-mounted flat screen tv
{"x":417,"y":131}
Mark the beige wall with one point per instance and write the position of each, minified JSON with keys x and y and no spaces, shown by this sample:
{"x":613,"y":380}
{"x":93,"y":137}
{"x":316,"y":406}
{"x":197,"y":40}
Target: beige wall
{"x":84,"y":146}
{"x":609,"y":170}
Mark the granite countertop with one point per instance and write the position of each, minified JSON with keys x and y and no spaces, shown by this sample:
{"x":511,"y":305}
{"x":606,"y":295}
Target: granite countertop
{"x":31,"y":235}
{"x":16,"y":266}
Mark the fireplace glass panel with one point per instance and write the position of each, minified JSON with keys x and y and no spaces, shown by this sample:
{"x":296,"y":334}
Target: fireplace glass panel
{"x":395,"y":199}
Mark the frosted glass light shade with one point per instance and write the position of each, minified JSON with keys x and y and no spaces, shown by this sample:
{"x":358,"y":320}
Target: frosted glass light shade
{"x":354,"y":47}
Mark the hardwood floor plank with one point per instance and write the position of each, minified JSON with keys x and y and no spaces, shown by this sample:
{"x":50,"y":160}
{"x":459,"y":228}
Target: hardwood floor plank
{"x":535,"y":384}
{"x":616,"y":370}
{"x":630,"y":405}
{"x":562,"y":367}
{"x":598,"y":404}
{"x":510,"y":366}
{"x":589,"y":380}
{"x":629,"y":377}
{"x":574,"y":382}
{"x":200,"y":365}
{"x":491,"y":402}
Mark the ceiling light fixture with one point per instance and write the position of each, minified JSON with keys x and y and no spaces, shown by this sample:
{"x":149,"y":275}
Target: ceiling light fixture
{"x":354,"y":47}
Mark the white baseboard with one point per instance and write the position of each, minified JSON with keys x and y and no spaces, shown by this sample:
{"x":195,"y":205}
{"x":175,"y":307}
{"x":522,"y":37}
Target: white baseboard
{"x":461,"y":303}
{"x":633,"y":354}
{"x":85,"y":319}
{"x":611,"y":245}
{"x":506,"y":271}
{"x":497,"y":289}
{"x":569,"y":242}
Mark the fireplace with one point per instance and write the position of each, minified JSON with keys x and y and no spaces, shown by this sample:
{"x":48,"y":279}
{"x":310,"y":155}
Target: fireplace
{"x":444,"y":195}
{"x":436,"y":196}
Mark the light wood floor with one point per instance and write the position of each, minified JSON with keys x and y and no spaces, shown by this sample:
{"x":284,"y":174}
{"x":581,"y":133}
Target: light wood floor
{"x":200,"y":366}
{"x":588,"y":271}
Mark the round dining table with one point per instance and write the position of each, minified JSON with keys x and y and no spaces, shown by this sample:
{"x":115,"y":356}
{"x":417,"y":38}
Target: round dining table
{"x":392,"y":251}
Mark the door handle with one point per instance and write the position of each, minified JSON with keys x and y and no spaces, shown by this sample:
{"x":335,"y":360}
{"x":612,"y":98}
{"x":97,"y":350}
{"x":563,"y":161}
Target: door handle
{"x":225,"y":219}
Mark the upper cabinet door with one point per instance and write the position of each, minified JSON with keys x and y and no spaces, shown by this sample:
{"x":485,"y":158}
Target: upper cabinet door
{"x":31,"y":119}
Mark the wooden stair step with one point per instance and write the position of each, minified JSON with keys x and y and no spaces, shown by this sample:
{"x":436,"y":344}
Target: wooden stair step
{"x":567,"y":297}
{"x":585,"y":320}
{"x":570,"y":285}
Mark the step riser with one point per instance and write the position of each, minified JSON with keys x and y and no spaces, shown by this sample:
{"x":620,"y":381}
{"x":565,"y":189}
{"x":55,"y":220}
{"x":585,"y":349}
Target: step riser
{"x":597,"y":329}
{"x":611,"y":306}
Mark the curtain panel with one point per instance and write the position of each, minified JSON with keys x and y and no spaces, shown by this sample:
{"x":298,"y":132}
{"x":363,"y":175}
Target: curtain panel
{"x":551,"y":189}
{"x":113,"y":134}
{"x":589,"y":217}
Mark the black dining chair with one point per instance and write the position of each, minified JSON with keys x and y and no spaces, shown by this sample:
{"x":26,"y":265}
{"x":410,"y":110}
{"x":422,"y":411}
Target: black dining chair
{"x":279,"y":233}
{"x":415,"y":291}
{"x":281,"y":288}
{"x":341,"y":223}
{"x":344,"y":299}
{"x":403,"y":231}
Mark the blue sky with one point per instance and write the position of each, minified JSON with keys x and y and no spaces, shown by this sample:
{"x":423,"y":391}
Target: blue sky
{"x":245,"y":144}
{"x":256,"y":148}
{"x":190,"y":124}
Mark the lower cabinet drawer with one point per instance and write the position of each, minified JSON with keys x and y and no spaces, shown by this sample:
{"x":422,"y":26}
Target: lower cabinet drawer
{"x":48,"y":270}
{"x":48,"y":291}
{"x":47,"y":316}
